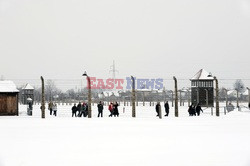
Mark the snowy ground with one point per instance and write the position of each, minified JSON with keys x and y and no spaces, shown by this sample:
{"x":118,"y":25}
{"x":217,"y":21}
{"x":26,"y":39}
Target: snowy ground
{"x":145,"y":140}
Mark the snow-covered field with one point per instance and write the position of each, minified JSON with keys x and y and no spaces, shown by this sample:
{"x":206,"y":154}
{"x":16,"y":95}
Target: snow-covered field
{"x":145,"y":140}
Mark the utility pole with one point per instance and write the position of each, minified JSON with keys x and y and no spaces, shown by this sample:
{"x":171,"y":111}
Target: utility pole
{"x":113,"y":70}
{"x":43,"y":99}
{"x":176,"y":97}
{"x":217,"y":97}
{"x":133,"y":97}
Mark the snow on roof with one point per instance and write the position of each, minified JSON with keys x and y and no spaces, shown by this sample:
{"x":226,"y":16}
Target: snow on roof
{"x":8,"y":86}
{"x":202,"y":75}
{"x":28,"y":87}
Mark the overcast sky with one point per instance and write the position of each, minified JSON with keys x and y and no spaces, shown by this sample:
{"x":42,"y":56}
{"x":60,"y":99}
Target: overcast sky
{"x":146,"y":38}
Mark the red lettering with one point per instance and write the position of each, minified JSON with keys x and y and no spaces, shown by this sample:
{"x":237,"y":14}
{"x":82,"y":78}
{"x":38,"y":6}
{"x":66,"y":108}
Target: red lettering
{"x":110,"y":83}
{"x":119,"y":81}
{"x":92,"y":80}
{"x":100,"y":84}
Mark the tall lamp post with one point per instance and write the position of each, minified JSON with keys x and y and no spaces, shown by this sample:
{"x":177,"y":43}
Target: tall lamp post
{"x":89,"y":94}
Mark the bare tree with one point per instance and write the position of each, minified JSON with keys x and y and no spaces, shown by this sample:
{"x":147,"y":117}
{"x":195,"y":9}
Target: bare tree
{"x":51,"y":90}
{"x":239,"y":86}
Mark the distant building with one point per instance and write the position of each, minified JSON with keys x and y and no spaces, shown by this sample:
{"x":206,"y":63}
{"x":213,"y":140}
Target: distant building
{"x":202,"y":88}
{"x":27,"y":92}
{"x":8,"y":98}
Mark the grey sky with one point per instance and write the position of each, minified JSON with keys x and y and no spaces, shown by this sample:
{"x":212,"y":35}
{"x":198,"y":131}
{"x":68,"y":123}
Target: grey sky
{"x":146,"y":38}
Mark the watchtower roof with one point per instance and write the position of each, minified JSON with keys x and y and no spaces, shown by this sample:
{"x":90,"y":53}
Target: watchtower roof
{"x":28,"y":87}
{"x":202,"y":75}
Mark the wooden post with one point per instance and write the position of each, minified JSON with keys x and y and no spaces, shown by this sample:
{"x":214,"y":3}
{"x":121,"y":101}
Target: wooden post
{"x":89,"y":98}
{"x":133,"y":97}
{"x":217,"y":97}
{"x":176,"y":98}
{"x":43,"y":99}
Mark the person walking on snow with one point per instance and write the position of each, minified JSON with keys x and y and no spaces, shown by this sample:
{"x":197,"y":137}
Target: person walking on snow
{"x":198,"y":109}
{"x":55,"y":109}
{"x":50,"y":107}
{"x":111,"y":109}
{"x":100,"y":109}
{"x":166,"y":105}
{"x":79,"y":108}
{"x":115,"y":109}
{"x":157,"y":108}
{"x":74,"y":110}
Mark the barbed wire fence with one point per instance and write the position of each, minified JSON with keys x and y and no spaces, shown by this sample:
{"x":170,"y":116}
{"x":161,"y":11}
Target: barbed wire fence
{"x":75,"y":89}
{"x":66,"y":92}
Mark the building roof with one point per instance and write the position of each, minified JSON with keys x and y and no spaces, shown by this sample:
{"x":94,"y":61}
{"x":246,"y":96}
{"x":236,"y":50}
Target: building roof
{"x":202,"y":75}
{"x":28,"y":87}
{"x":8,"y":86}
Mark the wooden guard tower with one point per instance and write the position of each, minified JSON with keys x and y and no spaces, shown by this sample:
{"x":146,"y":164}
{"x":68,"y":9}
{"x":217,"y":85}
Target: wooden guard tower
{"x":27,"y":92}
{"x":202,"y":89}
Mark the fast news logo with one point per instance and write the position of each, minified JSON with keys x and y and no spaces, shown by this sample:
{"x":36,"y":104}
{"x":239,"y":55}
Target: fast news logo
{"x":119,"y":84}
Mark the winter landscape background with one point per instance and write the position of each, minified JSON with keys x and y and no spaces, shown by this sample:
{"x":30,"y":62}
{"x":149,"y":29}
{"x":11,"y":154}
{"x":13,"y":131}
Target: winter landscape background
{"x":148,"y":39}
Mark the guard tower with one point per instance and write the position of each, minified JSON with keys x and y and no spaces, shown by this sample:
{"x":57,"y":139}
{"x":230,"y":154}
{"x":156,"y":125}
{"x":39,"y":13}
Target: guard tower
{"x":27,"y":92}
{"x":202,"y":89}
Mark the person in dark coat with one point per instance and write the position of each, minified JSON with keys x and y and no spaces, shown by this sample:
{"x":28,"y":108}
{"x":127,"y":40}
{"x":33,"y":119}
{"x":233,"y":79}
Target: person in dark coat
{"x":198,"y":109}
{"x":100,"y":109}
{"x":79,"y":108}
{"x":50,"y":107}
{"x":166,"y":105}
{"x":191,"y":110}
{"x":74,"y":110}
{"x":157,"y":108}
{"x":85,"y":109}
{"x":115,"y":109}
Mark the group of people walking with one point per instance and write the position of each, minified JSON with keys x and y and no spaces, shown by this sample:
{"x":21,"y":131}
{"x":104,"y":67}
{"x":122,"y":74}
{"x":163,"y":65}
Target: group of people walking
{"x":81,"y":110}
{"x":194,"y":110}
{"x":113,"y":108}
{"x":52,"y":107}
{"x":166,"y":106}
